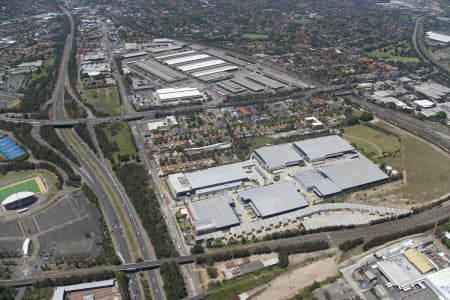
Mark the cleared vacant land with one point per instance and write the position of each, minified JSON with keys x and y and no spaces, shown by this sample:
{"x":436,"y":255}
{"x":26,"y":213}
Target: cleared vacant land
{"x":372,"y":142}
{"x":400,"y":52}
{"x":28,"y":185}
{"x":105,"y":100}
{"x":425,"y":169}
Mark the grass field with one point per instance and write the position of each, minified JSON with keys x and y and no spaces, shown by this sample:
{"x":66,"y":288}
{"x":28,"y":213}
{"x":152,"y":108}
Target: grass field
{"x":255,"y":36}
{"x":426,"y":174}
{"x":400,"y":52}
{"x":119,"y":132}
{"x":28,"y":185}
{"x":47,"y":65}
{"x":105,"y":100}
{"x":233,"y":287}
{"x":427,"y":169}
{"x":373,"y":143}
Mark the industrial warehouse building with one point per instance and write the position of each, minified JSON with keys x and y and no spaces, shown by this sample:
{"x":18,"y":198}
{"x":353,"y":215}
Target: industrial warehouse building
{"x":439,"y":282}
{"x":342,"y":176}
{"x":209,"y":180}
{"x":322,"y":148}
{"x":275,"y":199}
{"x":278,"y":157}
{"x":178,"y":94}
{"x":216,"y":213}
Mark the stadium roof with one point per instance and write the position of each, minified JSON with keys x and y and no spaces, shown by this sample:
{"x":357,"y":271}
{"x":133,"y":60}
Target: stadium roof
{"x":216,"y":176}
{"x":419,"y":260}
{"x":323,"y":147}
{"x":274,"y":199}
{"x":353,"y":173}
{"x":16,"y":197}
{"x":278,"y":156}
{"x":213,"y":213}
{"x":440,"y":283}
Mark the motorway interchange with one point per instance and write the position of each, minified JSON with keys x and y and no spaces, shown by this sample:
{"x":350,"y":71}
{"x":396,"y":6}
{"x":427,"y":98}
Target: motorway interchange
{"x":130,"y":239}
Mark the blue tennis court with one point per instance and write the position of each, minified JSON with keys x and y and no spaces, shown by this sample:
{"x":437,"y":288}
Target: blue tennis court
{"x":10,"y":150}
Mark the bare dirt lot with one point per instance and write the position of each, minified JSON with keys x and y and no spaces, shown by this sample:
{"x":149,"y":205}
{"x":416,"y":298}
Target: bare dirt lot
{"x":287,"y":285}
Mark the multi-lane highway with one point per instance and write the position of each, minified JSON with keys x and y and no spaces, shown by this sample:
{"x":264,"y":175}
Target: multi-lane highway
{"x":98,"y":176}
{"x":333,"y":237}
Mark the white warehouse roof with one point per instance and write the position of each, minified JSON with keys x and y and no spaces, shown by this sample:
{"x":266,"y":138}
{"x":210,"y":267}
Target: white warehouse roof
{"x":424,"y":103}
{"x":274,"y":199}
{"x":177,"y":93}
{"x":201,"y":65}
{"x":440,"y":37}
{"x":176,"y":54}
{"x":439,"y":282}
{"x":185,"y":59}
{"x":214,"y":71}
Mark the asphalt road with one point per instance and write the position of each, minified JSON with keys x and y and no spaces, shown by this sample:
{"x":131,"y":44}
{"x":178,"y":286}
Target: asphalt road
{"x":88,"y":174}
{"x":333,"y":237}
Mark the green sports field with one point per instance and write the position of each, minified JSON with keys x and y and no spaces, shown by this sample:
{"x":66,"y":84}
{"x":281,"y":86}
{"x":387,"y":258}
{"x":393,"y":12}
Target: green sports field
{"x":26,"y":186}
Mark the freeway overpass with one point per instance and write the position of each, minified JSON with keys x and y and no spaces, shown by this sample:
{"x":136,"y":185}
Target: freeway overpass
{"x":151,"y":113}
{"x":334,"y":237}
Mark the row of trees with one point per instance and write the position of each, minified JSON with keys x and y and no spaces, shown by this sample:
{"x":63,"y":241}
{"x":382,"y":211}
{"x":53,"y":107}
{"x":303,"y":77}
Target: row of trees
{"x":22,"y":132}
{"x":382,"y":239}
{"x":134,"y":179}
{"x":40,"y":89}
{"x":48,"y":133}
{"x":83,"y":132}
{"x":73,"y":108}
{"x":173,"y":281}
{"x":108,"y":148}
{"x":108,"y":254}
{"x":285,"y":251}
{"x":351,"y":244}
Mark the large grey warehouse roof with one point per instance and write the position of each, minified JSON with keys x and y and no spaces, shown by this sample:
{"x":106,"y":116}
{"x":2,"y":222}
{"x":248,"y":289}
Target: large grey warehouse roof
{"x":216,"y":176}
{"x":354,"y":172}
{"x":278,"y":156}
{"x":274,"y":199}
{"x":313,"y":180}
{"x":340,"y":176}
{"x":213,"y":213}
{"x":323,"y":147}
